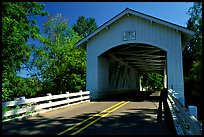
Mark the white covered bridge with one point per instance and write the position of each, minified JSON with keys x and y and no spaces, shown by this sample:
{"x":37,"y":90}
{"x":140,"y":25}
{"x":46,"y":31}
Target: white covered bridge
{"x":130,"y":44}
{"x":118,"y":54}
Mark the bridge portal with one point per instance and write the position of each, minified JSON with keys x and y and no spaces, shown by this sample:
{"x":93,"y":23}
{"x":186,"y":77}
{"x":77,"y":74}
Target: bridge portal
{"x":129,"y":45}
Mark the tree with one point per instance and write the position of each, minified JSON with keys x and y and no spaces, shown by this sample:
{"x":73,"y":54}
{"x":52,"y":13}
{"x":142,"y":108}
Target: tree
{"x":17,"y":27}
{"x":193,"y":51}
{"x":28,"y":87}
{"x":62,"y":66}
{"x":192,"y":60}
{"x":152,"y":80}
{"x":84,"y":26}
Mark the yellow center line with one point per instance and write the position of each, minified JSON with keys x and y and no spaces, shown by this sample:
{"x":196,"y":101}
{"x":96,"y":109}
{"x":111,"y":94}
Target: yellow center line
{"x":76,"y":132}
{"x":90,"y":118}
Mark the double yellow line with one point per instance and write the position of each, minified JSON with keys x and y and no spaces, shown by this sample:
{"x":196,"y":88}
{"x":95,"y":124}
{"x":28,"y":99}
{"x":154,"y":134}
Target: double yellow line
{"x":101,"y":114}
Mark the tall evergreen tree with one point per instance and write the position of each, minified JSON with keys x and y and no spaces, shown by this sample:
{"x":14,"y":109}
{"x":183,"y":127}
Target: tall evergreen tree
{"x":84,"y":26}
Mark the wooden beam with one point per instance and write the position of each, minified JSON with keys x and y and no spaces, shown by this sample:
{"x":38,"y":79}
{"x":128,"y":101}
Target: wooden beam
{"x":128,"y":46}
{"x":143,"y":60}
{"x":120,"y":61}
{"x":144,"y":56}
{"x":147,"y":64}
{"x":136,"y":51}
{"x":146,"y":46}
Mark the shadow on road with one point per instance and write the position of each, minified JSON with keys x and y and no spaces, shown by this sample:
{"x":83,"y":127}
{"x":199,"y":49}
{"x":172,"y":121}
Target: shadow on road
{"x":132,"y":121}
{"x":135,"y":95}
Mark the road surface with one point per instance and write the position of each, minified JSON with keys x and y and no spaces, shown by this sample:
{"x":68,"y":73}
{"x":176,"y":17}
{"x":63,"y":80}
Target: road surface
{"x":127,"y":115}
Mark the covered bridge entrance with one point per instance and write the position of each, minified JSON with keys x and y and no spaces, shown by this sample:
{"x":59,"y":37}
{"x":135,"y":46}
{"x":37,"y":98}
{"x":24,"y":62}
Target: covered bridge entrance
{"x":129,"y":45}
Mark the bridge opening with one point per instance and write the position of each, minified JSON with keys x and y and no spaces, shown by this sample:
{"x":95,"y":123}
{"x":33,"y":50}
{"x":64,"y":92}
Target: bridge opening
{"x":121,"y":68}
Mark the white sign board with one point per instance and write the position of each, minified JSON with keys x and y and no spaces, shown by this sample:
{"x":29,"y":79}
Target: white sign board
{"x":129,"y":35}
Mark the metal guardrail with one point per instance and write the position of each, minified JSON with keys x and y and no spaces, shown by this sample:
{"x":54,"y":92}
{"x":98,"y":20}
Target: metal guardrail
{"x":184,"y":122}
{"x":49,"y":101}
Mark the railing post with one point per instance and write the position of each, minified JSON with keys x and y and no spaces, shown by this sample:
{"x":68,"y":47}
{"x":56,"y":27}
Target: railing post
{"x":22,"y":99}
{"x":164,"y":95}
{"x":67,"y":97}
{"x":81,"y":94}
{"x":192,"y":111}
{"x":159,"y":113}
{"x":89,"y":95}
{"x":49,"y":94}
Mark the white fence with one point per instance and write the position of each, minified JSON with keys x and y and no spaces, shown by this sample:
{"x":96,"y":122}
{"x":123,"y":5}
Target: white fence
{"x":45,"y":102}
{"x":184,"y":122}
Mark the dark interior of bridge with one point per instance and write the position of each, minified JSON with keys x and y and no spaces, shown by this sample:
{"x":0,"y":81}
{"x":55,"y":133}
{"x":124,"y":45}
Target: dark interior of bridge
{"x":144,"y":58}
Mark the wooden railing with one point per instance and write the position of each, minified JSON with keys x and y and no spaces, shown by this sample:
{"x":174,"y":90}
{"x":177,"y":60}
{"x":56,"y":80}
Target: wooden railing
{"x":184,"y":123}
{"x":46,"y":102}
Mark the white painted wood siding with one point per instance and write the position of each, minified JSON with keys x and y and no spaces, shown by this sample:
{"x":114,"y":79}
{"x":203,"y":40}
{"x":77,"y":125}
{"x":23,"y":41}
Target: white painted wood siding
{"x":153,"y":34}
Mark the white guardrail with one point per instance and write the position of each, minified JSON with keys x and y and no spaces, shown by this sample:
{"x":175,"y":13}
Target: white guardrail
{"x":44,"y":104}
{"x":184,"y":122}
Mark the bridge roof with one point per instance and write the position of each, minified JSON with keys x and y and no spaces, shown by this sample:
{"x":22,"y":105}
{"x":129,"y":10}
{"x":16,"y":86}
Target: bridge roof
{"x":185,"y":33}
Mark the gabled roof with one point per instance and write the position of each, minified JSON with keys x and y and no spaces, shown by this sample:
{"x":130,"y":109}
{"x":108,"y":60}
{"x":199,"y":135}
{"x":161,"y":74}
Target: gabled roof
{"x":186,"y":33}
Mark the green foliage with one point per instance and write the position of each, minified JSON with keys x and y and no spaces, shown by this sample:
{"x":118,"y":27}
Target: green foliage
{"x":84,"y":26}
{"x":9,"y":109}
{"x":8,"y":78}
{"x":17,"y":86}
{"x":5,"y":109}
{"x":16,"y":29}
{"x":62,"y":66}
{"x":152,"y":80}
{"x":192,"y":60}
{"x":31,"y":87}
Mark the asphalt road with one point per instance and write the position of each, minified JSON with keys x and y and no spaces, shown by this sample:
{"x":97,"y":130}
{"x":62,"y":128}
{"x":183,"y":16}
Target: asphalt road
{"x":124,"y":115}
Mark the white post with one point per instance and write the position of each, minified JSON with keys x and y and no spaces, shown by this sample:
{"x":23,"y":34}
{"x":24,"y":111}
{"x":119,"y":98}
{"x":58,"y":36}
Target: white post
{"x":140,"y":83}
{"x":165,"y":77}
{"x":81,"y":94}
{"x":49,"y":94}
{"x":22,"y":99}
{"x":67,"y":97}
{"x":192,"y":111}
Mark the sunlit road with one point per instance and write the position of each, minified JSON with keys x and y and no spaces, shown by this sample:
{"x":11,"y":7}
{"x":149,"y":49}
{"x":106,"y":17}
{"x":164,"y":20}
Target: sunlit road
{"x":127,"y":115}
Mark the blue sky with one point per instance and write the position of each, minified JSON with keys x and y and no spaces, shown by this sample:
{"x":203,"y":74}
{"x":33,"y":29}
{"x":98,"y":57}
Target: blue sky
{"x":174,"y":12}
